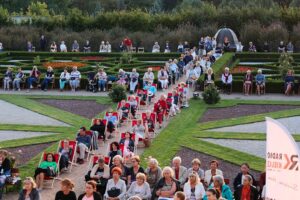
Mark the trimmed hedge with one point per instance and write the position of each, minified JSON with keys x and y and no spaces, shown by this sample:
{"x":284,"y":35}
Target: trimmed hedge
{"x":262,"y":57}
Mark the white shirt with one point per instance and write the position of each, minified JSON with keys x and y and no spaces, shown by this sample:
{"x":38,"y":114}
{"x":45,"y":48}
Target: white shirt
{"x":207,"y":175}
{"x":66,"y":76}
{"x":148,"y":76}
{"x":63,"y":47}
{"x":199,"y":190}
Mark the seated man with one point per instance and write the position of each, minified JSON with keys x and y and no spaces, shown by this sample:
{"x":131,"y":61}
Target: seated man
{"x":260,"y":81}
{"x":181,"y":173}
{"x":111,"y":122}
{"x":49,"y":78}
{"x":123,"y":110}
{"x":227,"y":81}
{"x":84,"y":143}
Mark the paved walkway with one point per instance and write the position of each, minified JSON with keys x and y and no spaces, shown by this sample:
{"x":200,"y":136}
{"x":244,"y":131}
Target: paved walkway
{"x":12,"y":114}
{"x":253,"y":147}
{"x":53,"y":93}
{"x":13,"y":135}
{"x":272,"y":97}
{"x":292,"y":123}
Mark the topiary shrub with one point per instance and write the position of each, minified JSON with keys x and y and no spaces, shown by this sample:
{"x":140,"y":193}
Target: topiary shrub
{"x":117,"y":93}
{"x":211,"y":95}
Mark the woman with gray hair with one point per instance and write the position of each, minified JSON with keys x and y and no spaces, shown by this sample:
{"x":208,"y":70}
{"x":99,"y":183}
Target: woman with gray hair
{"x":118,"y":162}
{"x":220,"y":186}
{"x":153,"y":172}
{"x":246,"y":190}
{"x":139,"y":188}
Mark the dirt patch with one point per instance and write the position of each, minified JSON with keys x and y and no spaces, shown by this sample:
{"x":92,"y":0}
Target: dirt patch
{"x":84,"y":108}
{"x":214,"y":114}
{"x":229,"y":170}
{"x":24,"y":154}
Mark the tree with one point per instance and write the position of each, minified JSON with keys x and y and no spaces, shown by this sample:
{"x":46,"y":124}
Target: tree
{"x":4,"y":16}
{"x":285,"y":63}
{"x":58,"y":6}
{"x":283,"y":3}
{"x":38,"y":9}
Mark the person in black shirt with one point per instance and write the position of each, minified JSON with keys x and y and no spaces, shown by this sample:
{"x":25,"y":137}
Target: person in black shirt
{"x":187,"y":58}
{"x":49,"y":77}
{"x":87,"y":47}
{"x":66,"y":192}
{"x":4,"y":169}
{"x":43,"y":43}
{"x":99,"y":126}
{"x":134,"y":170}
{"x":266,"y":47}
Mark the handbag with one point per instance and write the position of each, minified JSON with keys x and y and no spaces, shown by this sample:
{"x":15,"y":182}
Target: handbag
{"x":114,"y":192}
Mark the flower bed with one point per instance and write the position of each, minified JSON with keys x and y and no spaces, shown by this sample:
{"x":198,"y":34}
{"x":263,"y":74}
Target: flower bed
{"x":59,"y":65}
{"x":92,"y":58}
{"x":154,"y":68}
{"x":242,"y":69}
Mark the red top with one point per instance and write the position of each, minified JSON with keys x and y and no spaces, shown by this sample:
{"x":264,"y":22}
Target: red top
{"x":246,"y":193}
{"x":127,"y":42}
{"x":177,"y":174}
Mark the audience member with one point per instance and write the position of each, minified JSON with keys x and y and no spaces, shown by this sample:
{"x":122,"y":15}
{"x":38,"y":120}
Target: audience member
{"x":213,"y":171}
{"x":90,"y":192}
{"x":83,"y":143}
{"x":181,"y":173}
{"x":63,"y":47}
{"x":75,"y":77}
{"x":153,"y":172}
{"x":227,"y":81}
{"x":19,"y":77}
{"x":8,"y":77}
{"x":49,"y":78}
{"x":66,"y":192}
{"x":29,"y":190}
{"x":116,"y":187}
{"x":139,"y":188}
{"x":63,"y":79}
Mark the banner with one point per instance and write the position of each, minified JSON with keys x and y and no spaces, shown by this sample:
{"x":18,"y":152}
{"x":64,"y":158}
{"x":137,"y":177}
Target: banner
{"x":282,"y":173}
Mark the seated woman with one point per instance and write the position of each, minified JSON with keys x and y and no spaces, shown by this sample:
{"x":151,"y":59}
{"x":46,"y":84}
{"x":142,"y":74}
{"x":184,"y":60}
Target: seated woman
{"x":148,"y":122}
{"x":160,"y":109}
{"x":33,"y":77}
{"x":101,"y":76}
{"x":116,"y":187}
{"x":148,"y":77}
{"x":156,"y":48}
{"x":289,"y":82}
{"x":8,"y":77}
{"x":123,"y":111}
{"x":134,"y":170}
{"x":29,"y":190}
{"x":128,"y":145}
{"x":114,"y":150}
{"x":246,"y":190}
{"x":209,"y":77}
{"x":260,"y":81}
{"x":65,"y":155}
{"x":166,"y":186}
{"x":90,"y":192}
{"x":163,"y":78}
{"x":122,"y":77}
{"x":5,"y":170}
{"x":193,"y":189}
{"x":17,"y":80}
{"x":139,"y":188}
{"x":111,"y":123}
{"x":53,"y":47}
{"x":118,"y":162}
{"x":99,"y":129}
{"x":100,"y":173}
{"x":66,"y":191}
{"x":153,"y":172}
{"x":212,"y":194}
{"x":227,"y":81}
{"x":140,"y":130}
{"x":196,"y":167}
{"x":248,"y":79}
{"x":151,"y":91}
{"x":63,"y":79}
{"x":43,"y":171}
{"x":219,"y":185}
{"x":49,"y":78}
{"x":63,"y":47}
{"x":102,"y":48}
{"x":133,"y":105}
{"x":245,"y":168}
{"x":75,"y":77}
{"x":210,"y":173}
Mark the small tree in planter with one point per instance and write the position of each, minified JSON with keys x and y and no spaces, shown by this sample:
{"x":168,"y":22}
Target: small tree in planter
{"x":211,"y":95}
{"x":117,"y":93}
{"x":285,"y":63}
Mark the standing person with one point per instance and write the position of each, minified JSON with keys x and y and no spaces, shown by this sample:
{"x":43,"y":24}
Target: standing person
{"x":238,"y":180}
{"x":90,"y":192}
{"x":194,"y":189}
{"x":101,"y":76}
{"x":134,"y":79}
{"x":246,"y":191}
{"x":49,"y":78}
{"x":29,"y":190}
{"x":18,"y":78}
{"x":8,"y":77}
{"x":33,"y":77}
{"x":43,"y":43}
{"x":66,"y":192}
{"x":75,"y":77}
{"x":63,"y":79}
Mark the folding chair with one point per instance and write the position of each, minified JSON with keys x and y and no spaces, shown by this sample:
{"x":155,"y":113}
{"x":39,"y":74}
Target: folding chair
{"x":134,"y":138}
{"x":127,"y":105}
{"x":56,"y":159}
{"x":73,"y":146}
{"x":94,"y":160}
{"x":101,"y":121}
{"x":140,"y":93}
{"x":91,"y":148}
{"x":137,"y":98}
{"x":116,"y":114}
{"x":153,"y":118}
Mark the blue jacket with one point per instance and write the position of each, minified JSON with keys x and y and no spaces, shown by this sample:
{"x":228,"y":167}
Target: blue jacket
{"x":84,"y":139}
{"x":226,"y":192}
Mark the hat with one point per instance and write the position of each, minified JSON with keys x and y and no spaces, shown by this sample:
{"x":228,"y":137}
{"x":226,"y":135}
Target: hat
{"x":117,"y":169}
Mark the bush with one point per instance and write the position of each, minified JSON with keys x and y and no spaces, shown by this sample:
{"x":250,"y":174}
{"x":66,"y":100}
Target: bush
{"x":117,"y":93}
{"x":285,"y":63}
{"x":211,"y":95}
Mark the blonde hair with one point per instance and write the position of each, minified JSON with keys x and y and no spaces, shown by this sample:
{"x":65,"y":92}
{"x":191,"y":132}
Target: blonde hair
{"x":32,"y":182}
{"x":196,"y":176}
{"x":196,"y":161}
{"x":137,"y":158}
{"x":4,"y":152}
{"x":141,"y":176}
{"x":168,"y":169}
{"x":118,"y":157}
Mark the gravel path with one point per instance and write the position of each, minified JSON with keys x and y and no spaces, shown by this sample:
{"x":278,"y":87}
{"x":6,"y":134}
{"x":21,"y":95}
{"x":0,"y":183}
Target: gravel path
{"x":12,"y":135}
{"x":84,"y":108}
{"x":254,"y":147}
{"x":12,"y":114}
{"x":229,"y":170}
{"x":213,"y":114}
{"x":292,"y":123}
